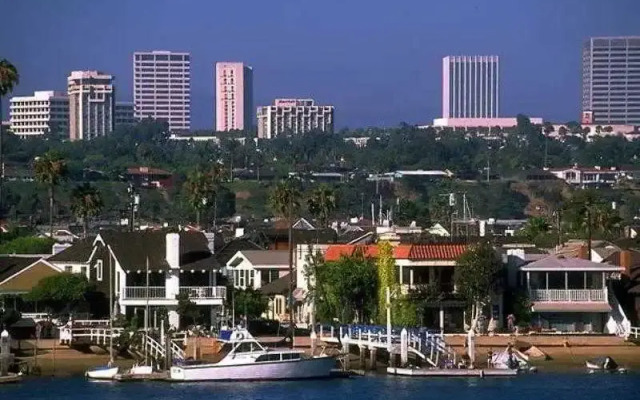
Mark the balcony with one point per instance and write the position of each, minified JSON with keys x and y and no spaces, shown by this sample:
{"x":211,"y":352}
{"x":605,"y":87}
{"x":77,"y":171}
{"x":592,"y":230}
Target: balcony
{"x":160,"y":293}
{"x":151,"y":292}
{"x":568,"y":295}
{"x":204,"y":292}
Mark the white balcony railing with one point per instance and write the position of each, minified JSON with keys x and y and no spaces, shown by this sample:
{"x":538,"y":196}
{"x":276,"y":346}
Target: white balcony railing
{"x":204,"y":292}
{"x":159,"y":292}
{"x":151,"y":292}
{"x":569,"y":295}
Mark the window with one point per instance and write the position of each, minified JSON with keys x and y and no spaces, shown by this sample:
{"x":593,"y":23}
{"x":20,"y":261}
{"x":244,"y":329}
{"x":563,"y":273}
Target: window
{"x":83,"y":271}
{"x":99,"y":270}
{"x":68,"y":268}
{"x":269,"y":357}
{"x":251,"y":278}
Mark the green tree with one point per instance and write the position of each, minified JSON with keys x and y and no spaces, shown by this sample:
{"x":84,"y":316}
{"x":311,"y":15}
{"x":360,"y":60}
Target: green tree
{"x":250,"y":303}
{"x":345,"y":289}
{"x":60,"y":292}
{"x":187,"y":309}
{"x":476,"y":275}
{"x":199,"y":191}
{"x":9,"y":78}
{"x":285,"y":202}
{"x":27,"y":245}
{"x":86,"y":202}
{"x":534,"y":227}
{"x":322,"y":203}
{"x":386,"y":269}
{"x":217,"y":174}
{"x":49,"y":170}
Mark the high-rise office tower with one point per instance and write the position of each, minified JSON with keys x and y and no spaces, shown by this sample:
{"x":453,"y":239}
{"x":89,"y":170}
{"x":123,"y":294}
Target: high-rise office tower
{"x":46,"y":112}
{"x":611,"y":80}
{"x":470,"y":87}
{"x":124,"y":113}
{"x":162,"y":87}
{"x":234,"y":96}
{"x":91,"y":104}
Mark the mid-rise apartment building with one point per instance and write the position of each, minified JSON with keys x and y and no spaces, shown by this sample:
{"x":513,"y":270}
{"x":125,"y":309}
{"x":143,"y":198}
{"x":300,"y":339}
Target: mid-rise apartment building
{"x":46,"y":112}
{"x":234,"y":96}
{"x":611,"y":80}
{"x":91,"y":104}
{"x":162,"y":87}
{"x":125,"y":114}
{"x":294,"y":116}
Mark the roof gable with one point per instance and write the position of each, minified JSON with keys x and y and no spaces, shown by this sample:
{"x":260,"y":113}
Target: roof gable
{"x":24,"y":279}
{"x":266,"y":257}
{"x":560,"y":263}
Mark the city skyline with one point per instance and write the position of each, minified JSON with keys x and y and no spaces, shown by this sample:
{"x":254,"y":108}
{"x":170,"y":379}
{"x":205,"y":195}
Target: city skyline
{"x":351,"y":69}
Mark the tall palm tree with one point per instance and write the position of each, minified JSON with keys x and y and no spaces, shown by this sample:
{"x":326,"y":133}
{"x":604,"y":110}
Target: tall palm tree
{"x":199,"y":190}
{"x":217,"y":174}
{"x":9,"y":77}
{"x":49,"y":170}
{"x":322,"y":203}
{"x":285,"y":202}
{"x":86,"y":202}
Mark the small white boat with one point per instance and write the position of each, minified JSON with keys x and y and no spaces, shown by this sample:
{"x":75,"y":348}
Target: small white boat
{"x":102,"y":373}
{"x":243,"y":358}
{"x":141,"y":370}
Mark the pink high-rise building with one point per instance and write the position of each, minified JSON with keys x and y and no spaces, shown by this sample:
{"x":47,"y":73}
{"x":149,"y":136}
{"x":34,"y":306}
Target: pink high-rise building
{"x":234,"y":96}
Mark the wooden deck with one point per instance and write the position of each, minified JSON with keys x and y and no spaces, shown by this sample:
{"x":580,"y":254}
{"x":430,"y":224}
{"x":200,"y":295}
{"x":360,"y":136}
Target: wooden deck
{"x":441,"y":372}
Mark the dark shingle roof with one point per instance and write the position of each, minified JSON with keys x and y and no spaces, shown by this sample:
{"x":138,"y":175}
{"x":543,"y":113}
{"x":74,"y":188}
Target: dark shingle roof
{"x":224,"y":255}
{"x":78,"y":252}
{"x":302,"y":236}
{"x":132,"y":249}
{"x":11,"y":265}
{"x":279,"y":286}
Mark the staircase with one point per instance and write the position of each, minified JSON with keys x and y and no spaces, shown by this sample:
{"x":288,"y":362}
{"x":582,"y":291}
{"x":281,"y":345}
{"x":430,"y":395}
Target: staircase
{"x":156,"y":351}
{"x":618,"y":323}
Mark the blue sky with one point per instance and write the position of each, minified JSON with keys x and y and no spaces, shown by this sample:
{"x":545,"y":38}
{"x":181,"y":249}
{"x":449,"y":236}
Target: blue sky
{"x":378,"y":62}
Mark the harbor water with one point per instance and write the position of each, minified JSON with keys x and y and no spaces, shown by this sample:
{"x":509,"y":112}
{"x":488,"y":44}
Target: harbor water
{"x":527,"y":387}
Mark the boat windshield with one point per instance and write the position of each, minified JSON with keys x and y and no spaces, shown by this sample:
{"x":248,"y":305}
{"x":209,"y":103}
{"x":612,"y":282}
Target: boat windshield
{"x":270,"y":357}
{"x":247,"y":347}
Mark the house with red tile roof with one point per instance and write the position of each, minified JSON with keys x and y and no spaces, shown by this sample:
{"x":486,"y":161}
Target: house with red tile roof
{"x":420,"y":265}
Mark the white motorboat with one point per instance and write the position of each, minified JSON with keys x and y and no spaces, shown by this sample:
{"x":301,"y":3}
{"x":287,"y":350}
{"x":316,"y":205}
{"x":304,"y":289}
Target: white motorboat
{"x":106,"y":372}
{"x":243,"y":358}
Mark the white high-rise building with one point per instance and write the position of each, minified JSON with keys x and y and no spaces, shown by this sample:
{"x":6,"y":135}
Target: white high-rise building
{"x":293,"y":116}
{"x":91,"y":104}
{"x":46,"y":112}
{"x":162,"y":87}
{"x":234,"y":96}
{"x":470,"y":87}
{"x":611,"y":80}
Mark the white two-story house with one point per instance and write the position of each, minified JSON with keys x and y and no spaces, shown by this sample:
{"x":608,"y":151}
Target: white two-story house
{"x":571,"y":294}
{"x":149,"y":270}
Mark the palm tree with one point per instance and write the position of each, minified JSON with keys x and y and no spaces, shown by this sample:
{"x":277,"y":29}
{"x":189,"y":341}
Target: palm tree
{"x":322,"y":204}
{"x":9,"y":77}
{"x":86,"y":202}
{"x":49,"y":170}
{"x":199,"y":190}
{"x":285,"y":202}
{"x":217,"y":174}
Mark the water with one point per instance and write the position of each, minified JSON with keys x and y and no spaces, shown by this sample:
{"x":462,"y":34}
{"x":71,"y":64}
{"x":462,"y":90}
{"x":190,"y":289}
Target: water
{"x":527,"y":387}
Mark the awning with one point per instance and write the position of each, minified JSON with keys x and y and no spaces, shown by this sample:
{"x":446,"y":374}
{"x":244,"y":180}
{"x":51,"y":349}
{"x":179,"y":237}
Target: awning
{"x":571,"y":307}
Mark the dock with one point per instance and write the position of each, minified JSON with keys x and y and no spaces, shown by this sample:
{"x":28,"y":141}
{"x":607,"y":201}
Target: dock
{"x":453,"y":372}
{"x":154,"y":376}
{"x":11,"y":378}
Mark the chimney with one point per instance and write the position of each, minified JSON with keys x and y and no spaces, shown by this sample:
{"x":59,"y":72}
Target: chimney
{"x":625,"y":262}
{"x":583,"y":252}
{"x":211,"y":241}
{"x":239,"y":232}
{"x":173,"y":250}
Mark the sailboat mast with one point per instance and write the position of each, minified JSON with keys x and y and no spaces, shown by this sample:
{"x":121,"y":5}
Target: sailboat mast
{"x":146,"y":313}
{"x":110,"y":306}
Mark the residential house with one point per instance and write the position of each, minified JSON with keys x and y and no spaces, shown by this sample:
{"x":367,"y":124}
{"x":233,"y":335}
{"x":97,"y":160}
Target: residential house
{"x":150,"y":268}
{"x":20,"y":274}
{"x":425,"y":265}
{"x":572,"y":295}
{"x":588,"y":177}
{"x":149,"y":177}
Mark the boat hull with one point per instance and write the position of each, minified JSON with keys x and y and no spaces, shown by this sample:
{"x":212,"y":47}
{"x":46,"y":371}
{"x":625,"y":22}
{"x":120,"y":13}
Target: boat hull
{"x":310,"y":368}
{"x":102,"y":373}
